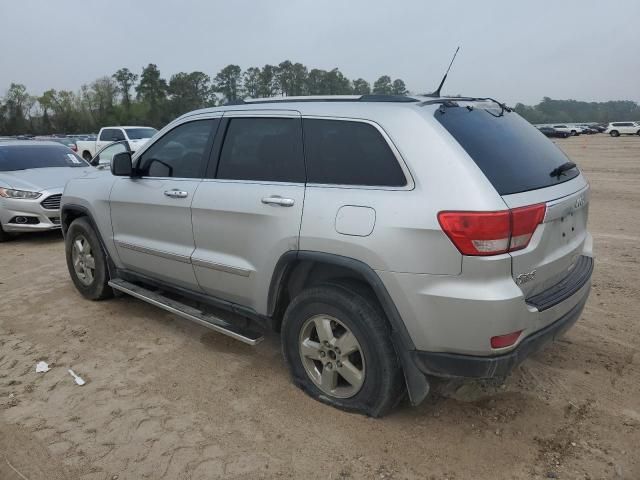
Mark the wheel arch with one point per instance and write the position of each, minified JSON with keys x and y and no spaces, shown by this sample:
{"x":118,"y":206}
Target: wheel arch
{"x":71,"y":212}
{"x":297,"y":270}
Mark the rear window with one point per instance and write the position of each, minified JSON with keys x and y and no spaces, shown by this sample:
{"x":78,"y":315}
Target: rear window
{"x":23,"y":157}
{"x":140,"y":133}
{"x":512,"y":154}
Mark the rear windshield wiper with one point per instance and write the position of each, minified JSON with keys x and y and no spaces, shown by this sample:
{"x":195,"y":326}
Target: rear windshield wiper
{"x":558,"y":171}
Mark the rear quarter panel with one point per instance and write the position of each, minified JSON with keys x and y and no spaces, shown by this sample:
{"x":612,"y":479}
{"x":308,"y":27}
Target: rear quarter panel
{"x":406,"y":236}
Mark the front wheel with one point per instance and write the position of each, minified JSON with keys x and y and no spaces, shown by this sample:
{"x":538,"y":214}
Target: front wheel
{"x":86,"y":261}
{"x":337,"y":345}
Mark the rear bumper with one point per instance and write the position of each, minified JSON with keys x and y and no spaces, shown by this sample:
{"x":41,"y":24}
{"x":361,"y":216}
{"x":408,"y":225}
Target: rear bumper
{"x":456,"y":365}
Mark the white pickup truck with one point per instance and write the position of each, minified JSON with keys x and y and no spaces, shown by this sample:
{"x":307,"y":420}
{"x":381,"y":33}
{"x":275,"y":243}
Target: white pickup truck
{"x":136,"y":136}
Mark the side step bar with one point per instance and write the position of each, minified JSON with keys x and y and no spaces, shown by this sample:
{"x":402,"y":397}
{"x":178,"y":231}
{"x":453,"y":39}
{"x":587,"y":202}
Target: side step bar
{"x":249,"y":337}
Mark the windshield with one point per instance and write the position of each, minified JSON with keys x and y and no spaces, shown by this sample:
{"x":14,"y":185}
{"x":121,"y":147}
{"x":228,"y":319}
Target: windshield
{"x":140,"y":133}
{"x":23,"y":157}
{"x":512,"y":154}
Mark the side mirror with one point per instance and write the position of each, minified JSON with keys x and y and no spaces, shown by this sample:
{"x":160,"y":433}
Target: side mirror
{"x":121,"y":164}
{"x":95,"y":161}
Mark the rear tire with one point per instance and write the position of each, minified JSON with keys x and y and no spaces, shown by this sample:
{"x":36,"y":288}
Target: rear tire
{"x":614,"y":133}
{"x":319,"y":325}
{"x":87,"y":156}
{"x":86,"y":261}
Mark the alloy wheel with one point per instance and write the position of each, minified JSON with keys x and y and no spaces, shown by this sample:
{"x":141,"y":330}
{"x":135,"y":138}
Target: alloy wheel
{"x":332,"y":356}
{"x":84,"y":263}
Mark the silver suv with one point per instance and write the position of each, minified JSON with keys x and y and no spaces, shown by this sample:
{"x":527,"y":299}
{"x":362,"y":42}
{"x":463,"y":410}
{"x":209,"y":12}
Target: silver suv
{"x":388,"y":239}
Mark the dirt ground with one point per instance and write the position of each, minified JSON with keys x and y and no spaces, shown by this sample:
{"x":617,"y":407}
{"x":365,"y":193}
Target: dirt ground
{"x":166,"y":399}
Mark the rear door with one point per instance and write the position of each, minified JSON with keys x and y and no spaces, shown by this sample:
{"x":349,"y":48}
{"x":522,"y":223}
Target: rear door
{"x":247,"y":213}
{"x":151,"y":213}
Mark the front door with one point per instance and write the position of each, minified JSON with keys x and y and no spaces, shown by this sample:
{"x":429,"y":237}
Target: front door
{"x":248,"y":212}
{"x":151,"y":212}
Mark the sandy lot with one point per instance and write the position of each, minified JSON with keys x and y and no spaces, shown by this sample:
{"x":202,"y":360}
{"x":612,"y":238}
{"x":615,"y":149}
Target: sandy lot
{"x":166,"y":399}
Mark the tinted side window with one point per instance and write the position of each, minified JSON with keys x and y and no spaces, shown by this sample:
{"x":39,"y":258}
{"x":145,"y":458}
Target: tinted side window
{"x":180,"y":153}
{"x":267,"y":149}
{"x":349,"y":153}
{"x":117,"y":135}
{"x":106,"y":135}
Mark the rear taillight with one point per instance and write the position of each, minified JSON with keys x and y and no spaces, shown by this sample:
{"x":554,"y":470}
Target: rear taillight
{"x":74,"y":147}
{"x":492,"y":233}
{"x":524,"y":222}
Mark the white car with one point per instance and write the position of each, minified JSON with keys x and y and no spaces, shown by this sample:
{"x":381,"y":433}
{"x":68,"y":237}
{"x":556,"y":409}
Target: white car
{"x":615,"y":129}
{"x":573,"y":130}
{"x":136,"y":136}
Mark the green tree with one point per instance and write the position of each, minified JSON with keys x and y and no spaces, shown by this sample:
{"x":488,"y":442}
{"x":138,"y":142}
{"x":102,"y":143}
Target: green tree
{"x":47,"y":101}
{"x":152,"y":91}
{"x":189,"y":91}
{"x":125,"y":80}
{"x":383,"y":86}
{"x":398,"y":87}
{"x":268,"y":84}
{"x":251,"y":80}
{"x":291,"y":78}
{"x":104,"y":92}
{"x":15,"y":103}
{"x":316,"y":82}
{"x":336,"y":83}
{"x":228,"y":82}
{"x":361,"y":87}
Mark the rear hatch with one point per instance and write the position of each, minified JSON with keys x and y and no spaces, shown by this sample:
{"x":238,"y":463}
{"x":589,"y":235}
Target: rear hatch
{"x":522,"y":165}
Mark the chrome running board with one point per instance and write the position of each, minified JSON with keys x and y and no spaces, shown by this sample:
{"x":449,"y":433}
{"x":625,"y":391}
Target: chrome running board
{"x":244,"y":335}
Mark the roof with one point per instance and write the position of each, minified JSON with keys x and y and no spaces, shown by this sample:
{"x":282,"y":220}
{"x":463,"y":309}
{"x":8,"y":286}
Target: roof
{"x":348,"y":106}
{"x":316,"y":105}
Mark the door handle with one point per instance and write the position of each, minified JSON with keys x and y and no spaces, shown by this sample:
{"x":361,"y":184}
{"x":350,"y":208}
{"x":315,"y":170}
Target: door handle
{"x":279,"y":201}
{"x":175,"y":193}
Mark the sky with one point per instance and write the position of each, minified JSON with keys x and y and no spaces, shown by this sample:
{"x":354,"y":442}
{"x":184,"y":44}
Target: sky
{"x":516,"y":51}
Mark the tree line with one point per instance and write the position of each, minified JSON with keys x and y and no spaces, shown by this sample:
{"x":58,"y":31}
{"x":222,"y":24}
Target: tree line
{"x":573,"y":111}
{"x":149,"y":99}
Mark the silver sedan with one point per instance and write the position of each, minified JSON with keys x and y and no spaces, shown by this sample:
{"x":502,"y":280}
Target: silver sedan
{"x":32,"y":177}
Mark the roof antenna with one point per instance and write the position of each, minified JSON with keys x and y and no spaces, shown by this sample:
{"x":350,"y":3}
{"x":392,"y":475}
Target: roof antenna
{"x":437,"y":92}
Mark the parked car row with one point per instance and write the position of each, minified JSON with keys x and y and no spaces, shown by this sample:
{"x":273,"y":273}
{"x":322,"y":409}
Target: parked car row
{"x":615,"y":129}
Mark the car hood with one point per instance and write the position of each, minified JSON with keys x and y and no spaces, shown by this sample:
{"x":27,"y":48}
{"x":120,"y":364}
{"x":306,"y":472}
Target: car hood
{"x":37,"y":179}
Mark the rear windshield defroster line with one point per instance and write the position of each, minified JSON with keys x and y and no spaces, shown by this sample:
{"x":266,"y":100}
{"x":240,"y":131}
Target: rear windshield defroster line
{"x":514,"y":156}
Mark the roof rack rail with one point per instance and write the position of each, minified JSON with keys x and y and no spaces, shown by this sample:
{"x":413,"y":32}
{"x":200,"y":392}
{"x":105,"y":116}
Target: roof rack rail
{"x":388,"y":98}
{"x":327,"y":98}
